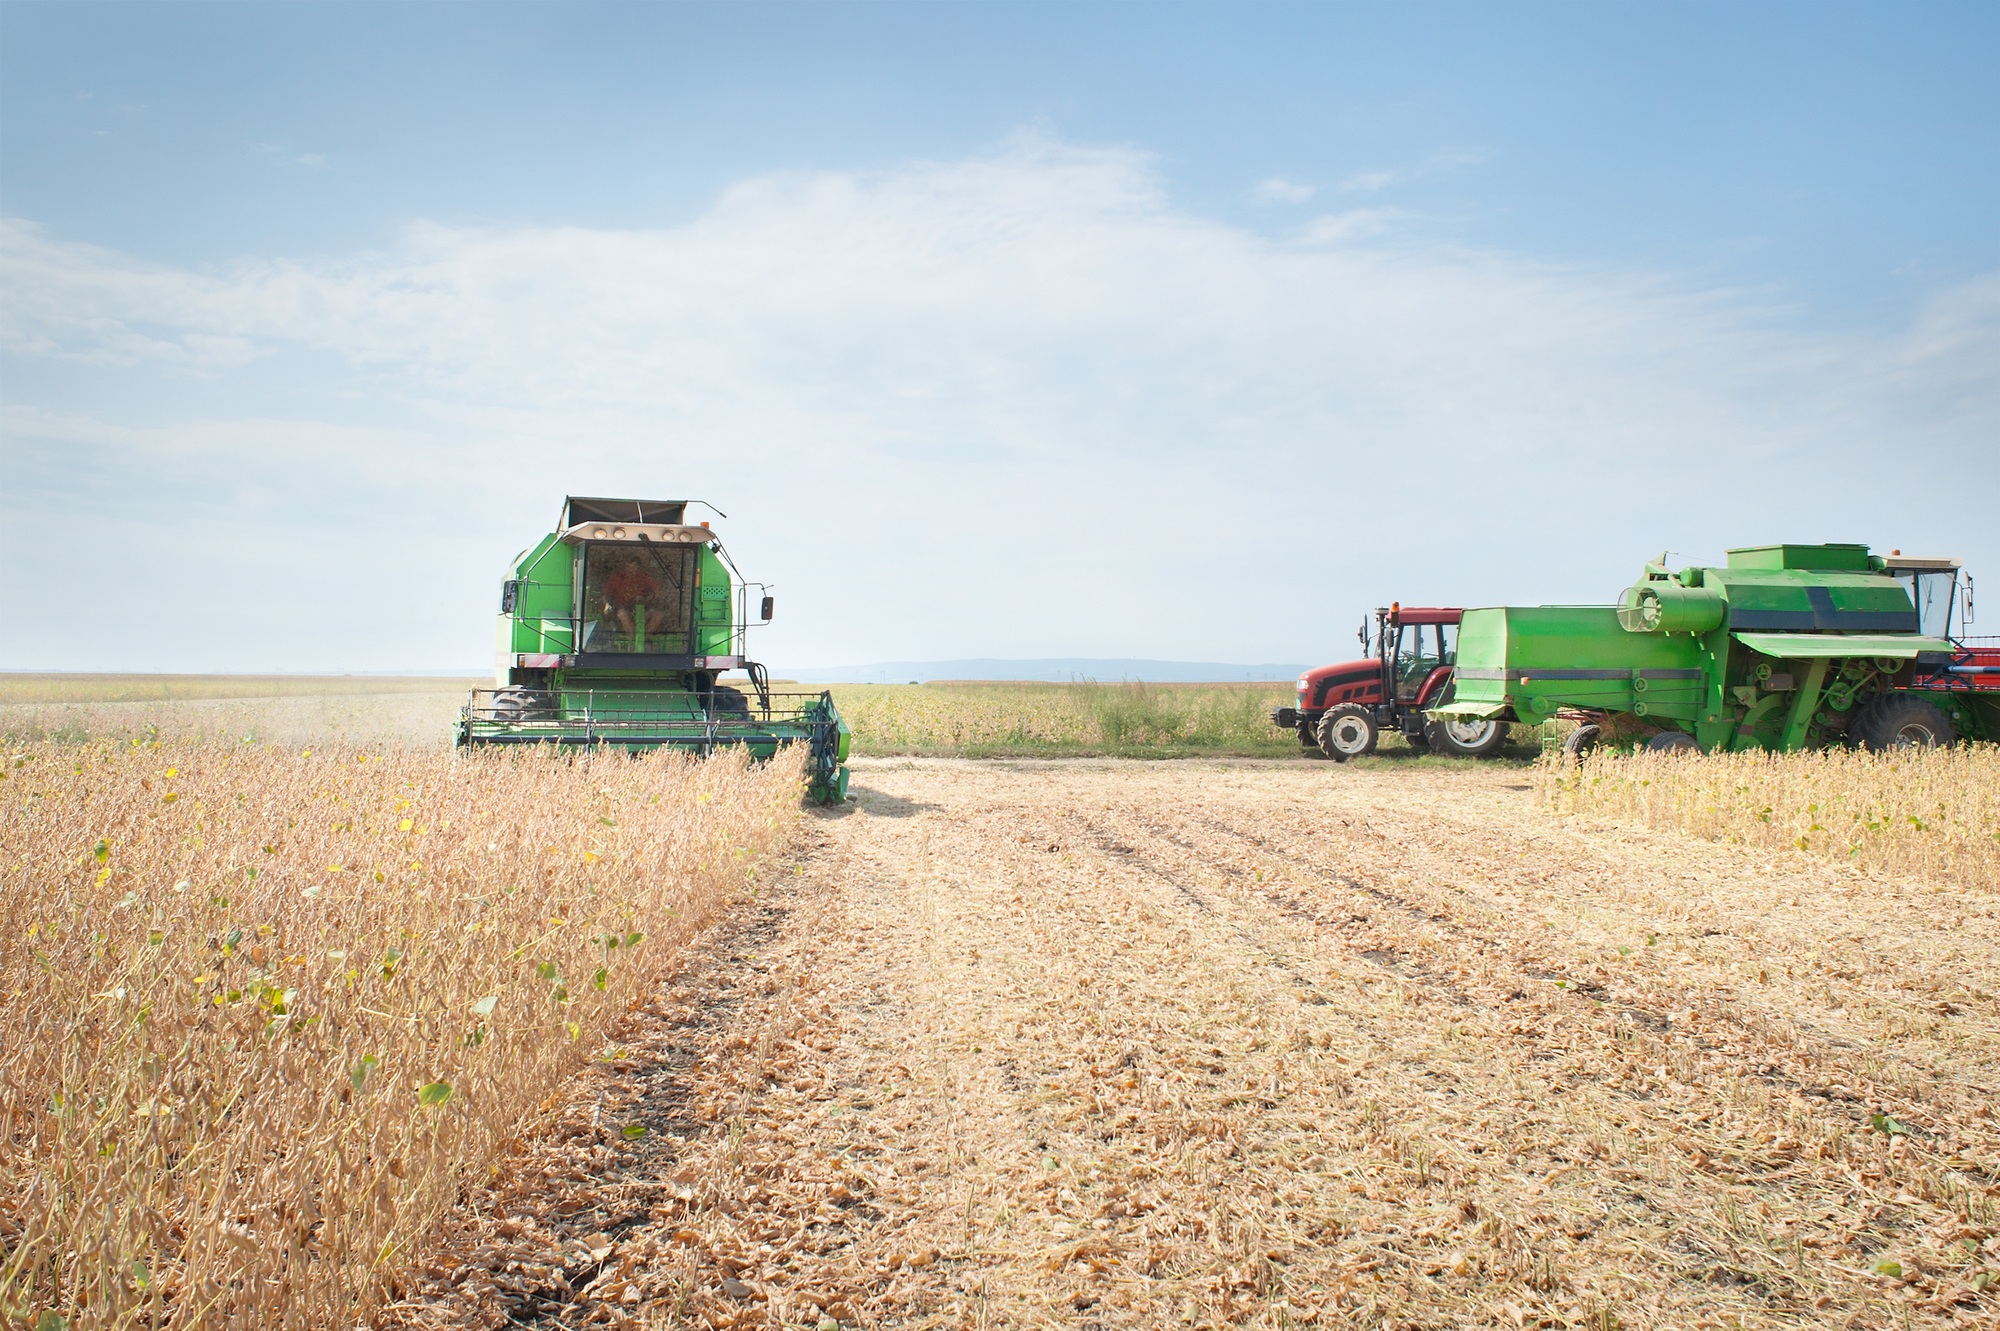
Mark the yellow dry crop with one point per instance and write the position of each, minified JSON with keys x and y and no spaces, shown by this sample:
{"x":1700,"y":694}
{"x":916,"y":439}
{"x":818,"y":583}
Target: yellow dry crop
{"x":266,"y":1012}
{"x":1926,"y":813}
{"x":1005,"y":718}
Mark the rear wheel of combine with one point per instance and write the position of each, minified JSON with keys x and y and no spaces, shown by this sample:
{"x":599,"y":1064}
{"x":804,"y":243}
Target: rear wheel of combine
{"x":1898,"y":721}
{"x":1346,"y":732}
{"x":1579,"y":742}
{"x":1672,"y":741}
{"x":1467,"y":737}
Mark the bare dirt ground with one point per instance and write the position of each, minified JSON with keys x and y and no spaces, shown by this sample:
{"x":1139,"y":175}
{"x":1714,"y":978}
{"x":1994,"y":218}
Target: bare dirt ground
{"x":1103,"y":1044}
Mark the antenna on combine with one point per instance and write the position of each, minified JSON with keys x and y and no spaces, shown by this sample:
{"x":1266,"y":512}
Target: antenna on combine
{"x":710,"y":507}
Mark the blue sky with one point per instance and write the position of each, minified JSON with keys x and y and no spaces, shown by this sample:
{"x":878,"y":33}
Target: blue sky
{"x":1000,"y":330}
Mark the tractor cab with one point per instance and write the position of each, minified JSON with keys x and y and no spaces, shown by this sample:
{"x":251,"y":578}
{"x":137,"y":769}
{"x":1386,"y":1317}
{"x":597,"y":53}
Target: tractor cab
{"x":1415,"y":645}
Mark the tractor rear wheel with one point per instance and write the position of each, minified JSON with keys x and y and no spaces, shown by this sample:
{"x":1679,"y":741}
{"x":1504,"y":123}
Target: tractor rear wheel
{"x":1579,"y":742}
{"x":1466,"y":737}
{"x":1672,"y":741}
{"x":1346,"y":732}
{"x":1899,"y":721}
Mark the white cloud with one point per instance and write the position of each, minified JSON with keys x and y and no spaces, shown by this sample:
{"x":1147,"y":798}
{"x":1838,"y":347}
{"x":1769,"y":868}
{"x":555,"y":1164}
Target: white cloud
{"x":1277,"y":189}
{"x":1370,"y":182}
{"x":1016,"y":405}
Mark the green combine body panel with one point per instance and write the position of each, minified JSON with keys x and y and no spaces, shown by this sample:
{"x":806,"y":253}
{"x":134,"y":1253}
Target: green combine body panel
{"x":617,"y":627}
{"x":1785,"y":647}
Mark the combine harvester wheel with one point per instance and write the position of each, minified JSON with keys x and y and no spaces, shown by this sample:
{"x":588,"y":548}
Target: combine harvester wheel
{"x":1898,"y":721}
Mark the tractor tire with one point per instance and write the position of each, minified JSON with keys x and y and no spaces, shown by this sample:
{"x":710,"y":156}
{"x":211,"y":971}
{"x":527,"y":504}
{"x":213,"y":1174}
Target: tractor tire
{"x":1672,"y":741}
{"x":1347,"y":732}
{"x":1899,"y":721}
{"x":1467,"y":738}
{"x":1579,"y":742}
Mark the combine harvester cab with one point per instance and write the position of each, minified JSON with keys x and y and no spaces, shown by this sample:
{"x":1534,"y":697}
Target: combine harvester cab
{"x":615,"y":628}
{"x":1785,"y":647}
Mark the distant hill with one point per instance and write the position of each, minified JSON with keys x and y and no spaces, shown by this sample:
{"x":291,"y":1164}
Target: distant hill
{"x":1060,"y":670}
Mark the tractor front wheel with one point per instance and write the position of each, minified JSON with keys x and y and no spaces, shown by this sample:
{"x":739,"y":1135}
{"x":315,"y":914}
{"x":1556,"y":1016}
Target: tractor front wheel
{"x":1467,"y":737}
{"x":1346,"y":732}
{"x":1898,"y":721}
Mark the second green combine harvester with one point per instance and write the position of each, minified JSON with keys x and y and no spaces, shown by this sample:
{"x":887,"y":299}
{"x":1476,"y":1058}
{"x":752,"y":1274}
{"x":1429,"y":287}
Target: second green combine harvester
{"x":1785,"y":647}
{"x":614,"y":630}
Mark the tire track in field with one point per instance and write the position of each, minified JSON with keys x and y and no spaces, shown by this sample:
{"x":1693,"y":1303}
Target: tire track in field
{"x":1823,"y":1064}
{"x":1696,"y":1078}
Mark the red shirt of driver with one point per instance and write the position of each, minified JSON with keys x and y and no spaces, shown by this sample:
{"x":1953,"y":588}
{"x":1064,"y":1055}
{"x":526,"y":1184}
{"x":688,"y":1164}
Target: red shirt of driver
{"x":628,"y":585}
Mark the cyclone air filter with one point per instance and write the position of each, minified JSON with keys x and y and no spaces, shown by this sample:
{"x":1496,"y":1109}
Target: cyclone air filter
{"x":1668,"y":607}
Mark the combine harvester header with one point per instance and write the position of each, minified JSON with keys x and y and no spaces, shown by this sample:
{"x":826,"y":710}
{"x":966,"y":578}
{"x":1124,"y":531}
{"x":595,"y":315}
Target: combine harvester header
{"x":614,"y":629}
{"x":1785,"y":647}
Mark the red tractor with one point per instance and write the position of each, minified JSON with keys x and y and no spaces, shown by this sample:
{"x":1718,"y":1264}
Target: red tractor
{"x":1343,"y":708}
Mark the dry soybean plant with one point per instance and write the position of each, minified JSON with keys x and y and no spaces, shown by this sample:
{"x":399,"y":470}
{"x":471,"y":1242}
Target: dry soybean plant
{"x":1930,"y":813}
{"x":267,"y":1011}
{"x":1130,"y":719}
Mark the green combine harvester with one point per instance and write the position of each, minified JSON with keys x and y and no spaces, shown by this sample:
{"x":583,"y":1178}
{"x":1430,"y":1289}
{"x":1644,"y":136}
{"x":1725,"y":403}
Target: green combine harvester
{"x":1785,"y":647}
{"x":614,"y":630}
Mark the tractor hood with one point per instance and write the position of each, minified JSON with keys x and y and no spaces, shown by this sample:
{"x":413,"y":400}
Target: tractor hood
{"x":1346,"y":672}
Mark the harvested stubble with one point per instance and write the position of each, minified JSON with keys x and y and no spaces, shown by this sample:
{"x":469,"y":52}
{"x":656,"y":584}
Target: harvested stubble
{"x":1929,"y":813}
{"x":269,"y":1011}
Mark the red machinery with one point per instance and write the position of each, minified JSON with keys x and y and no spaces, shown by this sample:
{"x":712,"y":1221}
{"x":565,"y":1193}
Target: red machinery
{"x":1342,"y":709}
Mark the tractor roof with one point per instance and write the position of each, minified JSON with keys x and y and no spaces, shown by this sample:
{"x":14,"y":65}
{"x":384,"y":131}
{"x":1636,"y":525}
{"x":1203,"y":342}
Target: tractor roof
{"x":578,"y":510}
{"x":1423,"y":614}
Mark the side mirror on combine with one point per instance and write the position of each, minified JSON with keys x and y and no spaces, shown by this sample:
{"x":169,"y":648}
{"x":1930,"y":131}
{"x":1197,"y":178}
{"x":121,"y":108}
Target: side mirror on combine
{"x":770,"y":604}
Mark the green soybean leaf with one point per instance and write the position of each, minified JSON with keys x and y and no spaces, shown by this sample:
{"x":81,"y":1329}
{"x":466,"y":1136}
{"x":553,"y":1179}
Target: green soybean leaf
{"x":436,"y":1093}
{"x":484,"y":1007}
{"x":632,"y":1132}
